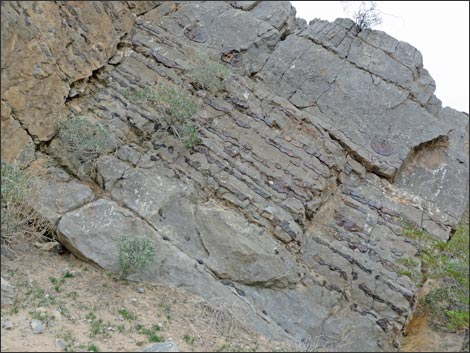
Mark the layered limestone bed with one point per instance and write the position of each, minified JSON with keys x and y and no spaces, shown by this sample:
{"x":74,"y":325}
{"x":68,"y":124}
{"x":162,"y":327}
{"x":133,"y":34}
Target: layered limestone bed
{"x":324,"y":143}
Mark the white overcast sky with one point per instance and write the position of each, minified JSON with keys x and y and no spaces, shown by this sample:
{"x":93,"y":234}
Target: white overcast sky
{"x":438,"y":29}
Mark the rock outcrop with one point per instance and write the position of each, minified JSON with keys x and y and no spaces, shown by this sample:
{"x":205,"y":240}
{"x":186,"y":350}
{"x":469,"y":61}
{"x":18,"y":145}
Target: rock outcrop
{"x":291,"y":209}
{"x":49,"y":50}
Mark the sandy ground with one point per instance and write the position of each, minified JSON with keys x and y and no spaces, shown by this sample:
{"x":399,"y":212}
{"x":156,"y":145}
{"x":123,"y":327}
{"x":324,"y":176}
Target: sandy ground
{"x":91,"y":310}
{"x":73,"y":296}
{"x":422,"y":338}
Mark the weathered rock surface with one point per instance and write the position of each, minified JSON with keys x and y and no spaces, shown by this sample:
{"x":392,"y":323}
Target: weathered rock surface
{"x":48,"y":48}
{"x":37,"y":326}
{"x":60,"y":344}
{"x":93,"y":231}
{"x":57,"y":198}
{"x":290,"y":210}
{"x":7,"y":325}
{"x":162,"y":347}
{"x":368,"y":89}
{"x":8,"y":292}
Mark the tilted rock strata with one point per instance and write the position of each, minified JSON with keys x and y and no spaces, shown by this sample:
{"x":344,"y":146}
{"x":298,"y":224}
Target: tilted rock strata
{"x":49,"y":49}
{"x":291,"y":209}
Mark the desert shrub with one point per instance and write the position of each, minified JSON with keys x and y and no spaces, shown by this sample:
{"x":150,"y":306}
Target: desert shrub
{"x":15,"y":184}
{"x":367,"y":15}
{"x":175,"y":105}
{"x":142,"y":95}
{"x":84,"y":140}
{"x":18,"y":219}
{"x":134,"y":254}
{"x":177,"y":108}
{"x":207,"y":74}
{"x":448,"y":264}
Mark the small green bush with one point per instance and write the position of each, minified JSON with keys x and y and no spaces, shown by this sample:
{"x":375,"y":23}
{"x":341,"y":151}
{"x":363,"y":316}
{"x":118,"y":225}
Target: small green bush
{"x":84,"y":140}
{"x":175,"y":105}
{"x":177,"y":108}
{"x":207,"y":74}
{"x":134,"y":254}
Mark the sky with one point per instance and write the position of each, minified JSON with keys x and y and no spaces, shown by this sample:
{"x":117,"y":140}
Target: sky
{"x":438,"y":29}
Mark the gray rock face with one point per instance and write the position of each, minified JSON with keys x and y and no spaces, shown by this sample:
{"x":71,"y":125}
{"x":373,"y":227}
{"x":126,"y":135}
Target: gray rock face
{"x":258,"y":26}
{"x":290,"y":210}
{"x":330,"y":70}
{"x":93,"y":231}
{"x":110,"y":169}
{"x":241,"y":252}
{"x":435,"y":170}
{"x":56,"y":198}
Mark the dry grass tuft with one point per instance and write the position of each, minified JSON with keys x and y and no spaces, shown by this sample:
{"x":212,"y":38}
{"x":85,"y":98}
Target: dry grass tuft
{"x":18,"y":218}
